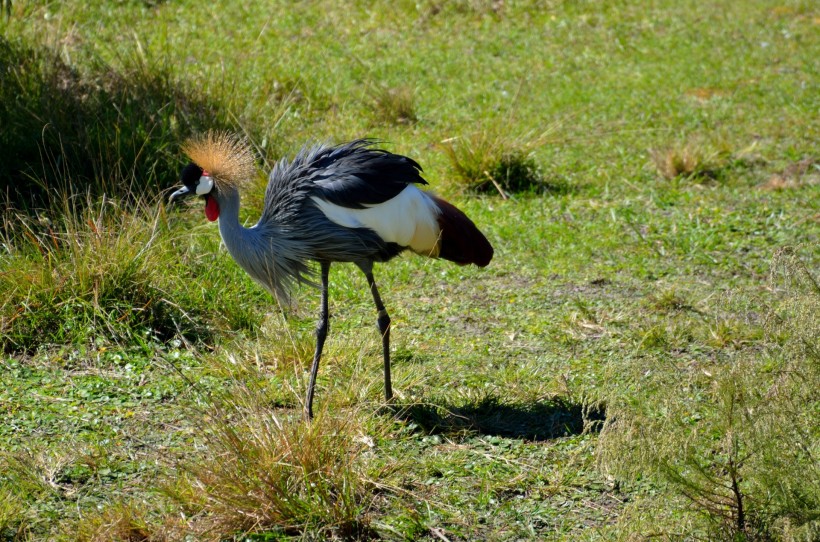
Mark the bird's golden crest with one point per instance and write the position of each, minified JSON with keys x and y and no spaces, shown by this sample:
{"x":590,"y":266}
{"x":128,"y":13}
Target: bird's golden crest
{"x":228,"y":158}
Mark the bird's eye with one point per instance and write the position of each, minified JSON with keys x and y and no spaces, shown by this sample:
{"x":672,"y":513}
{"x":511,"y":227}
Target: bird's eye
{"x":204,"y":186}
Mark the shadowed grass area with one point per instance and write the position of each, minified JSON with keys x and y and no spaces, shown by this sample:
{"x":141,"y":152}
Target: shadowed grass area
{"x":94,"y":129}
{"x":86,"y":154}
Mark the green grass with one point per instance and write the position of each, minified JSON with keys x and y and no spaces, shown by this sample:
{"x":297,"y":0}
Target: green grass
{"x":639,"y":360}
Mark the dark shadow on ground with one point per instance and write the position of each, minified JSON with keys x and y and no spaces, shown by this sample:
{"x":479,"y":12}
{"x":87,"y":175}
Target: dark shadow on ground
{"x":538,"y":421}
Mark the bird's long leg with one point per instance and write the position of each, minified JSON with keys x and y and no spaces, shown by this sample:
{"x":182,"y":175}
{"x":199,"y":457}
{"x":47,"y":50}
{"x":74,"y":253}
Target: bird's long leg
{"x":384,"y":328}
{"x":321,"y":334}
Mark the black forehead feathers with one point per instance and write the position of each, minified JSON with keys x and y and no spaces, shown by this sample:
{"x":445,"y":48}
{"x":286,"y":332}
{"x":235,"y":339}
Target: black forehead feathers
{"x":190,"y":175}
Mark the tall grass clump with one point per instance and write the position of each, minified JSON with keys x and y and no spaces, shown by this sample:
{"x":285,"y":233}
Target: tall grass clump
{"x":100,"y":128}
{"x":491,"y":162}
{"x":108,"y":272}
{"x":739,"y":444}
{"x":267,"y":470}
{"x":76,"y":277}
{"x":13,"y":516}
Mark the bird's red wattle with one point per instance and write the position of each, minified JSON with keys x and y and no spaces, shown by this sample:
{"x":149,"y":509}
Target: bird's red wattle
{"x":211,"y":208}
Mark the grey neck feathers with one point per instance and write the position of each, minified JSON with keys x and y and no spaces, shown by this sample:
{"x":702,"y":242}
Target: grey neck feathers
{"x":264,"y":254}
{"x":234,"y":235}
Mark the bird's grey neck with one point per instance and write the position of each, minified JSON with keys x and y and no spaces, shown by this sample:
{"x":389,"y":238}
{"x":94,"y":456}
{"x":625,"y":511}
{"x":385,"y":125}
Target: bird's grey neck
{"x":233,"y":233}
{"x":240,"y":241}
{"x":254,"y":249}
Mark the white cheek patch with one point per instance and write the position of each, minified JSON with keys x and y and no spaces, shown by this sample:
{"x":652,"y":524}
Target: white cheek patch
{"x":205,"y":185}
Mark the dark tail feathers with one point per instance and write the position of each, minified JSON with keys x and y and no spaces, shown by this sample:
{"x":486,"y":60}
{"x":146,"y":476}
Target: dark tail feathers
{"x":461,"y":241}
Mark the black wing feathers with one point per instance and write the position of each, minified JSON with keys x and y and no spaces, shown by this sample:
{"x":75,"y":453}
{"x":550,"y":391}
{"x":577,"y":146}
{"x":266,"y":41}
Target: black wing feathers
{"x":354,"y":175}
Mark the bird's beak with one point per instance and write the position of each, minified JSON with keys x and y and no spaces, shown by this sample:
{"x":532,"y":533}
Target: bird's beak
{"x":180,"y":194}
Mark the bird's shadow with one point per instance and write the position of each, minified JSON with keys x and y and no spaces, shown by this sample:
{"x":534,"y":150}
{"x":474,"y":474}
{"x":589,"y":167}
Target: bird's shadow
{"x":537,"y":421}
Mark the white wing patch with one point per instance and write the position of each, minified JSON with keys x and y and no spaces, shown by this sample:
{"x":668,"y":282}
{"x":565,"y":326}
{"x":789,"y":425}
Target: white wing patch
{"x":409,"y":219}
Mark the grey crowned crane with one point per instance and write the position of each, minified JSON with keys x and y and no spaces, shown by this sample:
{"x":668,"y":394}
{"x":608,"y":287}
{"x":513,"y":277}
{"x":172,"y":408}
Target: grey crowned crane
{"x":346,"y":203}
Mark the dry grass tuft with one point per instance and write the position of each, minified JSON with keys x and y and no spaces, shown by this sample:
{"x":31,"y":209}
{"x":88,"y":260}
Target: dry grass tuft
{"x":690,"y":160}
{"x":122,"y":522}
{"x":268,"y":470}
{"x":796,"y":175}
{"x":395,"y":105}
{"x":703,"y":160}
{"x":132,"y":520}
{"x":669,"y":300}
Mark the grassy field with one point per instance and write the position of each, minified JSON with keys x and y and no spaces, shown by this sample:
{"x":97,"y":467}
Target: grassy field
{"x":639,"y":361}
